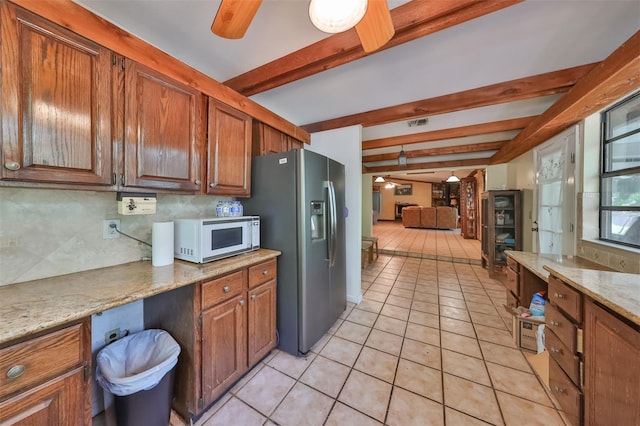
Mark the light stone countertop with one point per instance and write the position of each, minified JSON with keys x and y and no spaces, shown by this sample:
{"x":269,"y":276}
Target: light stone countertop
{"x":33,"y":306}
{"x":618,"y":291}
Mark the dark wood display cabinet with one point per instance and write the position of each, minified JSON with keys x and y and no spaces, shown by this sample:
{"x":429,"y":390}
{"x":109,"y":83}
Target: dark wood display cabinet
{"x":444,"y":194}
{"x":501,"y":228}
{"x":468,"y":208}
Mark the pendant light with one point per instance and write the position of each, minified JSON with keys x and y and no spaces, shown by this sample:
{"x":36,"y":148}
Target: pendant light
{"x":402,"y":157}
{"x":379,"y":179}
{"x":336,"y":16}
{"x":453,"y":178}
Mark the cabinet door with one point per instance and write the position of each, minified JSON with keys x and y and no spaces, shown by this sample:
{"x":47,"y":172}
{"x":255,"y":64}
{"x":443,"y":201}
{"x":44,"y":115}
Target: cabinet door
{"x":611,"y":376}
{"x":57,"y":402}
{"x":293,"y":143}
{"x":262,"y":321}
{"x":163,"y":131}
{"x":55,"y":104}
{"x":268,"y":140}
{"x":229,"y":151}
{"x":224,"y":347}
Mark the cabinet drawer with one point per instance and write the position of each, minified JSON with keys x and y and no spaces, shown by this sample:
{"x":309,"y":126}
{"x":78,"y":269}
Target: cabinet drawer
{"x":262,"y":273}
{"x":565,"y":330}
{"x":34,"y":361}
{"x":511,"y":263}
{"x":566,"y":298}
{"x":512,"y":281}
{"x":568,"y":396}
{"x":567,"y":360}
{"x":221,"y":289}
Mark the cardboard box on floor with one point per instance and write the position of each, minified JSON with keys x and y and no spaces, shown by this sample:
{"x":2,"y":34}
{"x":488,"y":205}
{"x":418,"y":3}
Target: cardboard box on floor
{"x":524,"y":336}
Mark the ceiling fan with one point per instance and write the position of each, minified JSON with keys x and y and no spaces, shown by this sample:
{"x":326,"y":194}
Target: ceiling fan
{"x":375,"y":28}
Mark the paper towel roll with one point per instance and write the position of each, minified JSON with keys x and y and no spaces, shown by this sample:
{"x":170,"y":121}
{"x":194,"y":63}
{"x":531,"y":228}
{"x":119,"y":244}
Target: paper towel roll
{"x":162,"y":243}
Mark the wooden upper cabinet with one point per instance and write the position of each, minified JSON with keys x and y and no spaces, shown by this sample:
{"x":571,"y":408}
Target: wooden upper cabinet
{"x":163,"y":131}
{"x":56,"y":103}
{"x":293,"y":143}
{"x":267,"y":140}
{"x":229,"y":151}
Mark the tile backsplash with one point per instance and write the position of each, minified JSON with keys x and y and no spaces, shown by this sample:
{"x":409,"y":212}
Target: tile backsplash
{"x":590,"y":248}
{"x":47,"y":233}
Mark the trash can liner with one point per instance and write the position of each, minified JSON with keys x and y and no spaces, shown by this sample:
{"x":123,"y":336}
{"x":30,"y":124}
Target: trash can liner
{"x":136,"y":362}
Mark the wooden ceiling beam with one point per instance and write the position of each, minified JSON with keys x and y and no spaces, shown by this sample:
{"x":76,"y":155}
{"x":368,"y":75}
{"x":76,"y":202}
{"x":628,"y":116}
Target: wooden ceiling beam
{"x":614,"y":77}
{"x":412,"y":20}
{"x":456,"y":132}
{"x":523,"y":88}
{"x":446,"y":150}
{"x":471,"y":162}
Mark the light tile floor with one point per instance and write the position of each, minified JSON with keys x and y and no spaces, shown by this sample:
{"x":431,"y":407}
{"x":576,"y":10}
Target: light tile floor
{"x":428,"y":345}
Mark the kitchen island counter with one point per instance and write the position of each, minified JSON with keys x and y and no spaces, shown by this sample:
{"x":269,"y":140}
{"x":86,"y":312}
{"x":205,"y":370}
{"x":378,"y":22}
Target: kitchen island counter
{"x":618,"y":291}
{"x":33,"y":306}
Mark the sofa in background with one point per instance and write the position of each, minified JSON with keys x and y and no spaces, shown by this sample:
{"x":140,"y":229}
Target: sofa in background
{"x":430,"y":217}
{"x":411,"y":217}
{"x":446,"y":217}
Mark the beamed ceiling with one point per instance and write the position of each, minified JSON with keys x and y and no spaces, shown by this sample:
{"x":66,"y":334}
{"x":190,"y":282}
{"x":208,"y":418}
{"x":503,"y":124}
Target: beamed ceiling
{"x":492,"y":78}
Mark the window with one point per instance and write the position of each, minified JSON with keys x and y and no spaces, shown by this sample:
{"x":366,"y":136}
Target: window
{"x":620,"y":175}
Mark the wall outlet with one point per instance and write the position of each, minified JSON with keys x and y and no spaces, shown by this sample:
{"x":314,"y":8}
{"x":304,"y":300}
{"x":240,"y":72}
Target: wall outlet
{"x":107,"y":231}
{"x":111,"y":335}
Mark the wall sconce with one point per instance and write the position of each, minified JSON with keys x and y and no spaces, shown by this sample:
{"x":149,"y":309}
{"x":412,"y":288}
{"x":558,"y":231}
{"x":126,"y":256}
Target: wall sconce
{"x":402,"y":157}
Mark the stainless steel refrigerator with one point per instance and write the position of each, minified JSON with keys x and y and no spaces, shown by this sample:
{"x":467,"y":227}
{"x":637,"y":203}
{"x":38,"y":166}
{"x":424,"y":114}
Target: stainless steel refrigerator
{"x":299,"y":196}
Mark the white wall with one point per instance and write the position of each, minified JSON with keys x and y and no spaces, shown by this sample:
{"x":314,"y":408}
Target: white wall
{"x":345,"y":145}
{"x":367,"y":205}
{"x":525,"y":180}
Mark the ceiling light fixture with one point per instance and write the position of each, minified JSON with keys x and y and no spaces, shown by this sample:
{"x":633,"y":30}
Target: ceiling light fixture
{"x":379,"y":179}
{"x":402,"y":157}
{"x":336,"y":16}
{"x":453,"y":178}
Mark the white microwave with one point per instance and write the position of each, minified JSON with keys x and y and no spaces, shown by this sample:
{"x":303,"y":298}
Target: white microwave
{"x":204,"y":240}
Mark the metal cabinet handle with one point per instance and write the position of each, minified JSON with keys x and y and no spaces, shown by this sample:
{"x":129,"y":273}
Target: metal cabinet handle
{"x":197,"y":182}
{"x":212,"y":185}
{"x":16,"y":371}
{"x":558,"y":295}
{"x":253,"y":297}
{"x":555,"y":350}
{"x":12,"y":165}
{"x":552,"y":322}
{"x":242,"y":302}
{"x":226,"y":289}
{"x":265,"y":272}
{"x":559,"y":389}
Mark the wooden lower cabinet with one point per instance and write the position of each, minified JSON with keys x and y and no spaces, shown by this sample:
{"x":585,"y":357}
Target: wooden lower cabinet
{"x":45,"y":379}
{"x":224,"y":327}
{"x":224,"y":347}
{"x":611,"y":374}
{"x":57,"y":402}
{"x":261,"y":321}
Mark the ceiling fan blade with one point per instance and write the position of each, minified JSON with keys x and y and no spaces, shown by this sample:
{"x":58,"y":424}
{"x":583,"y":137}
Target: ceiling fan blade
{"x":234,"y":17}
{"x":375,"y":28}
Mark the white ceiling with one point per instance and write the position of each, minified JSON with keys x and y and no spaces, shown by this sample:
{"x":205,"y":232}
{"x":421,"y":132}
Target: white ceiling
{"x":526,"y":39}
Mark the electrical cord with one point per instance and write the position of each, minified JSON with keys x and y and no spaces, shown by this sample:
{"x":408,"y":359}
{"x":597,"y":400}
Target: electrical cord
{"x":113,"y":225}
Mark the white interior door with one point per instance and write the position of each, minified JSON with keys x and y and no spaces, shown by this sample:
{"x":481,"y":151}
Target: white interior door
{"x":554,"y":213}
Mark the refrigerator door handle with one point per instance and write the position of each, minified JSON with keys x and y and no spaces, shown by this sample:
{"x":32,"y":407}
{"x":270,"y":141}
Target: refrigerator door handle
{"x":333,"y":218}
